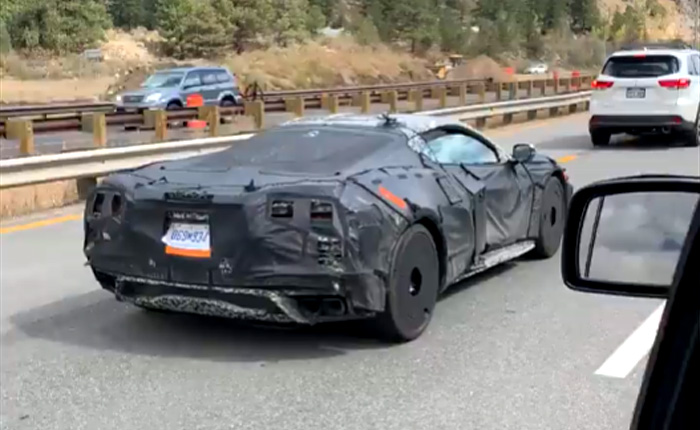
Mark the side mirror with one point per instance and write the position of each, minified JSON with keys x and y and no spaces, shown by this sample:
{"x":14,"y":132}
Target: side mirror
{"x":523,"y":152}
{"x":626,"y":236}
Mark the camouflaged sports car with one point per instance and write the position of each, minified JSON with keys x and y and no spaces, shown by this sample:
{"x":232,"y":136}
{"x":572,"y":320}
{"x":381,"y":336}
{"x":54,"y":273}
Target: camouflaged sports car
{"x":324,"y":219}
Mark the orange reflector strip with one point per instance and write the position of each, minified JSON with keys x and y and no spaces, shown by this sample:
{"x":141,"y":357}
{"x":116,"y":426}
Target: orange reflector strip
{"x":194,"y":253}
{"x":393,"y":198}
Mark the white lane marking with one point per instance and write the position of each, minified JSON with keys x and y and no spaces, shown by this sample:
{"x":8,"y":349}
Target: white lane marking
{"x":633,"y":349}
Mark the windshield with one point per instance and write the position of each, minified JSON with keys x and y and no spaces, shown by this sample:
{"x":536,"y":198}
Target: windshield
{"x":163,"y":80}
{"x":649,"y":66}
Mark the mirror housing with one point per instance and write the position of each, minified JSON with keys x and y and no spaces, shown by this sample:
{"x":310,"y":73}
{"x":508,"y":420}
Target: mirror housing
{"x":523,"y":152}
{"x":626,"y":189}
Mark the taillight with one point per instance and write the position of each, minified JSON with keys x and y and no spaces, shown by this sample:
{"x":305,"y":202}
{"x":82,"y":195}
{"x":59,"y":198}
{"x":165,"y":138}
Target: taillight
{"x":601,"y":85}
{"x":97,"y":205}
{"x":675,"y":84}
{"x":282,"y":209}
{"x":321,"y":211}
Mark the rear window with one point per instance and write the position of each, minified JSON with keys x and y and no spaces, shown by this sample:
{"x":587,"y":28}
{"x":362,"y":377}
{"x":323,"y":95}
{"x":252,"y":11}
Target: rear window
{"x":650,"y":66}
{"x":319,"y":149}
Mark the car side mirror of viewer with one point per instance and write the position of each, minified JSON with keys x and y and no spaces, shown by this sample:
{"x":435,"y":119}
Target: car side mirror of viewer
{"x":626,"y":236}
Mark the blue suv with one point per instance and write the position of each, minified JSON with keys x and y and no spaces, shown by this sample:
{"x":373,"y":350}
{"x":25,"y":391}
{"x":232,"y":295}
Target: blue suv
{"x":170,"y":88}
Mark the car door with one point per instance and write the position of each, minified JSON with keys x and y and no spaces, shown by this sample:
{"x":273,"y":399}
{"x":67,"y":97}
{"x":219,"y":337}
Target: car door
{"x":211,"y":88}
{"x":192,"y":85}
{"x":503,"y":190}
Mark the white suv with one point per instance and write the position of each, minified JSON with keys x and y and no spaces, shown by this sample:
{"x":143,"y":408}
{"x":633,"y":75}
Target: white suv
{"x":647,"y":91}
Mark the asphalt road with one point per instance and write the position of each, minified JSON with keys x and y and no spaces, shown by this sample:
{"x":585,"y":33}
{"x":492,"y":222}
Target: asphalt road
{"x":511,"y":349}
{"x":56,"y":142}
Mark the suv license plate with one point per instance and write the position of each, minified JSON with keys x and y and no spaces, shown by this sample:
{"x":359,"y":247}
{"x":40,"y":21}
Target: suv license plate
{"x":636,"y":93}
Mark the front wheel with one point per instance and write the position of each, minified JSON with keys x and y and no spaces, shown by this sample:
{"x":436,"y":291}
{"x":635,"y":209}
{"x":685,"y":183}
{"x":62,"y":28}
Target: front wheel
{"x":413,"y":285}
{"x":552,"y":218}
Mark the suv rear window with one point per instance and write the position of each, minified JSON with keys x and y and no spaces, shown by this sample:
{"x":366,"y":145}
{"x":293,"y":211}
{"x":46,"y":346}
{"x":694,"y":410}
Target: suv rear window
{"x":650,"y":66}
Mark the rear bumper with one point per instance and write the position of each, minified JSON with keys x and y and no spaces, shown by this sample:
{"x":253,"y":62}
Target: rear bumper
{"x":321,"y":299}
{"x":639,"y":123}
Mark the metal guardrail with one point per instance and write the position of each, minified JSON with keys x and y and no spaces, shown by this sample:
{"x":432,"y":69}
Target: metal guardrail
{"x":66,"y":109}
{"x":99,"y":162}
{"x":67,"y":116}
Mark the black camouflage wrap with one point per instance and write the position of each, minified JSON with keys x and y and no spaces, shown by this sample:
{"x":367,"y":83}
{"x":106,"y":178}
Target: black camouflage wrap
{"x":298,"y":269}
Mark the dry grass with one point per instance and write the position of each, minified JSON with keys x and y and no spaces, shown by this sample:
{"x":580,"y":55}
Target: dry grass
{"x":327,"y":62}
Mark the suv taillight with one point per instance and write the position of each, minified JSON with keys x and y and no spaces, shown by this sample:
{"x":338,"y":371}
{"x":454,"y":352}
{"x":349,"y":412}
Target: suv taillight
{"x":675,"y":84}
{"x":601,"y":85}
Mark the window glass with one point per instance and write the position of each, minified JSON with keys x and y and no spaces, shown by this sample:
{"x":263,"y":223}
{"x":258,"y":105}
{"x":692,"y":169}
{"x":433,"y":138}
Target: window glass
{"x":223,"y":77}
{"x":460,"y":148}
{"x":695,"y":65}
{"x":209,"y":77}
{"x":193,"y":79}
{"x":647,"y":66}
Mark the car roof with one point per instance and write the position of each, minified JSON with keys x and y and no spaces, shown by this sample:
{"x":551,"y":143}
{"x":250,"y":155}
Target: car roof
{"x":411,"y":123}
{"x":673,"y":52}
{"x":190,"y":69}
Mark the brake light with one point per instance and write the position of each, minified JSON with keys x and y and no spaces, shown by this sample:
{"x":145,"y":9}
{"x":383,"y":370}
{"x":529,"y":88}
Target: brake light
{"x":282,"y":209}
{"x":601,"y":85}
{"x":675,"y":84}
{"x":321,"y":211}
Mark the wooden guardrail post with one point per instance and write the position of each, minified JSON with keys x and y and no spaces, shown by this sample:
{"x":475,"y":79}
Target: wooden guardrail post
{"x":462,"y":94}
{"x":22,"y":130}
{"x":481,"y":123}
{"x":499,"y":91}
{"x":480,"y":90}
{"x":333,"y":103}
{"x":257,"y":111}
{"x":513,"y":91}
{"x":95,"y":123}
{"x":295,"y":105}
{"x":212,"y":115}
{"x":393,"y":99}
{"x":531,"y":115}
{"x":530,"y":87}
{"x":556,"y":84}
{"x":158,"y":121}
{"x":417,"y":97}
{"x":365,"y":101}
{"x":442,"y":96}
{"x":543,"y":88}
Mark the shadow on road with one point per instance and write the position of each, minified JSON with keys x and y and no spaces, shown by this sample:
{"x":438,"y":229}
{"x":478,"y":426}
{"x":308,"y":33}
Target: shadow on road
{"x":95,"y":320}
{"x":618,"y":143}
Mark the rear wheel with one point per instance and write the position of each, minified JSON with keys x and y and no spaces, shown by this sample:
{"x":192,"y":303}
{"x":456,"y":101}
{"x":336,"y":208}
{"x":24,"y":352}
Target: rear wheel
{"x":552,"y":219}
{"x":228,"y":102}
{"x":173,"y":106}
{"x":600,"y":138}
{"x":693,"y":138}
{"x":414,"y":279}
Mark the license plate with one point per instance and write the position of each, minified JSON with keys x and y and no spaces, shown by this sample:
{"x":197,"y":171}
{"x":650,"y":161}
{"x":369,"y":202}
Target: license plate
{"x":636,"y":93}
{"x":188,"y":240}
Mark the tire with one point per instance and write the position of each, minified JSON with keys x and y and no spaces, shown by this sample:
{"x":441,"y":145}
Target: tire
{"x":227,"y":102}
{"x":173,"y":106}
{"x":552,"y":219}
{"x":693,"y":138}
{"x":600,"y":138}
{"x":413,"y":285}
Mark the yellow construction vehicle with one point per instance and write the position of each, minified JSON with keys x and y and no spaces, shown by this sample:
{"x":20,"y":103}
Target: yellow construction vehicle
{"x":442,"y":68}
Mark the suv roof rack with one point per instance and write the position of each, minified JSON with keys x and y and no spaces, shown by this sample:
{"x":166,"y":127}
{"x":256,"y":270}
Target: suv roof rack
{"x":642,"y":46}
